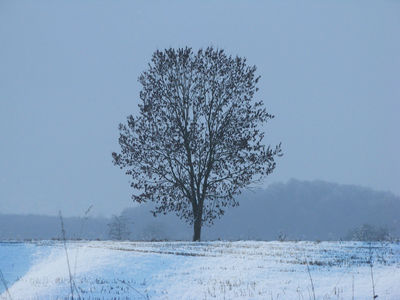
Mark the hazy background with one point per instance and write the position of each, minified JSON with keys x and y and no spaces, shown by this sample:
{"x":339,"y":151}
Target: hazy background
{"x":68,"y":75}
{"x":305,"y":210}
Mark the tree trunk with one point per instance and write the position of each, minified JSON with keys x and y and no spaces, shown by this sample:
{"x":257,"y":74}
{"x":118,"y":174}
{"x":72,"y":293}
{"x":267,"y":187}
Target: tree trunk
{"x":197,"y":230}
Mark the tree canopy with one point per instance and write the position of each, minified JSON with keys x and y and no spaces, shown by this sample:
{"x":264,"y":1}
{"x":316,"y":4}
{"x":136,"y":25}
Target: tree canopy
{"x":198,"y":138}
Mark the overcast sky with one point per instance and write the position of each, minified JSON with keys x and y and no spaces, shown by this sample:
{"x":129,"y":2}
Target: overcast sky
{"x":68,"y":75}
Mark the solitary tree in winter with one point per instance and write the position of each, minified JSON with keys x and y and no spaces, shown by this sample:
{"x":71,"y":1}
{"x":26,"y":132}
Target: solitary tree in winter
{"x":198,"y":138}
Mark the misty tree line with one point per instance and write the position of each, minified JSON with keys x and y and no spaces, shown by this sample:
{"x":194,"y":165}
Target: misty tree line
{"x":121,"y":227}
{"x":300,"y":210}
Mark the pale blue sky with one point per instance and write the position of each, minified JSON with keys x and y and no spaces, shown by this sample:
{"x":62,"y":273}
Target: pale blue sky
{"x":68,"y":75}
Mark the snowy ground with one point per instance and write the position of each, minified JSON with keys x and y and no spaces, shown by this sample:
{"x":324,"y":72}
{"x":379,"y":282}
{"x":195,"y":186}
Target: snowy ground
{"x":208,"y":270}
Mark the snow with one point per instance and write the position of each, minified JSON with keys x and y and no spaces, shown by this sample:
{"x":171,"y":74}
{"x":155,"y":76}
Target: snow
{"x":207,"y":270}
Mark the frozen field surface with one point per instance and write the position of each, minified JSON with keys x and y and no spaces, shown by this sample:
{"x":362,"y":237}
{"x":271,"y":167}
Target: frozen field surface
{"x":206,"y":270}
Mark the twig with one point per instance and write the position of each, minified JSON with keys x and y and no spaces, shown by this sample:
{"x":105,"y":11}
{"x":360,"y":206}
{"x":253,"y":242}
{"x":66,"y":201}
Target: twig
{"x":85,"y":218}
{"x":352,"y":288}
{"x":71,"y":279}
{"x":371,"y":264}
{"x":312,"y":283}
{"x":5,"y":284}
{"x":374,"y":296}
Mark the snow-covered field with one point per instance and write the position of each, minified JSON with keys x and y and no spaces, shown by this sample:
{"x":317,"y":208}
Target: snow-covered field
{"x":207,"y":270}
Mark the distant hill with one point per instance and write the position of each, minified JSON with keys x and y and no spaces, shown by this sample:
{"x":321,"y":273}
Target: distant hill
{"x":307,"y":210}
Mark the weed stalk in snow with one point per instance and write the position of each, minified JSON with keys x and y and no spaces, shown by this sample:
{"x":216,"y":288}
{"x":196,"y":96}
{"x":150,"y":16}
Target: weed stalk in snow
{"x":371,"y":265}
{"x":374,"y":296}
{"x":312,"y":283}
{"x":130,"y":286}
{"x":5,"y":284}
{"x":85,"y":218}
{"x":71,"y":279}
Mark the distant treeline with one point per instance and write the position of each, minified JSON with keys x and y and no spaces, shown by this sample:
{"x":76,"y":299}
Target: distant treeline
{"x":297,"y":210}
{"x":21,"y":227}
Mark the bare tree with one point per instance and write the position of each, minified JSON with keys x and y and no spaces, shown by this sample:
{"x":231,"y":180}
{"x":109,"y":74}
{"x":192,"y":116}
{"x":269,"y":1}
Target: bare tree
{"x":198,"y":138}
{"x":119,"y":228}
